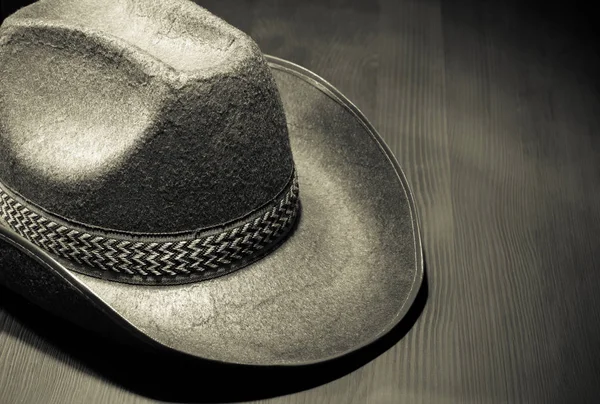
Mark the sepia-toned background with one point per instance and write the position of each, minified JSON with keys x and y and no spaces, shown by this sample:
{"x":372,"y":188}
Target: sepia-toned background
{"x":493,"y":110}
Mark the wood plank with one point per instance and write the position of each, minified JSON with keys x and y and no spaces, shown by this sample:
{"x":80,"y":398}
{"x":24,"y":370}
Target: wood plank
{"x":511,"y":174}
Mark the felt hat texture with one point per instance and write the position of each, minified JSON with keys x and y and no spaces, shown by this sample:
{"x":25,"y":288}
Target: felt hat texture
{"x":164,"y":181}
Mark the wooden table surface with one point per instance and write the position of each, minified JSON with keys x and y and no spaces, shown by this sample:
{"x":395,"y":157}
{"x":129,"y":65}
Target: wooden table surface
{"x":493,"y":110}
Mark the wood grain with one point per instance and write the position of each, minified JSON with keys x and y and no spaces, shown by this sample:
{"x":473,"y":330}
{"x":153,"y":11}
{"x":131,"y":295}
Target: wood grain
{"x":493,"y":111}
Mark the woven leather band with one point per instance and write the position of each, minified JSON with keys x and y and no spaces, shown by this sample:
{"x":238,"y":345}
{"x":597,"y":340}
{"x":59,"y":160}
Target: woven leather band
{"x":137,"y":260}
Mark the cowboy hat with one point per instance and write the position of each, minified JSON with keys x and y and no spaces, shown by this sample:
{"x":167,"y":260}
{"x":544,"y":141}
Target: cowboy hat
{"x":162,"y":178}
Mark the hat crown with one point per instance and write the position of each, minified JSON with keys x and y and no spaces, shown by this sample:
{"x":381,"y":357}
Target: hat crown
{"x":138,"y":116}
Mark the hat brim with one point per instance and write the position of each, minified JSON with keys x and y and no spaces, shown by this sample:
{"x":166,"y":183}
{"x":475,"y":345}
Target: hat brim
{"x":345,"y":277}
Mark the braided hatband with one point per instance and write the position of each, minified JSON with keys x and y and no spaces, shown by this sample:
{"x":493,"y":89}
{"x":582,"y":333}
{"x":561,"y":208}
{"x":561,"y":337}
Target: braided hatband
{"x":198,"y":257}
